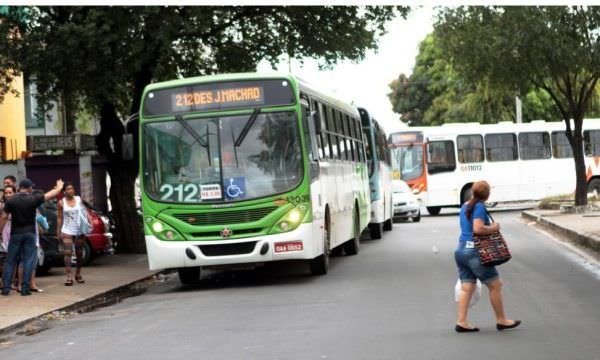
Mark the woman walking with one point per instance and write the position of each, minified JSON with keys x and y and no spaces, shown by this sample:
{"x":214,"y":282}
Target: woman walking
{"x":475,"y":220}
{"x":69,"y":231}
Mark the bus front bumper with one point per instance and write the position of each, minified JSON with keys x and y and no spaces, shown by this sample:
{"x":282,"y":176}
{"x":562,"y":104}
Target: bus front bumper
{"x":302,"y":243}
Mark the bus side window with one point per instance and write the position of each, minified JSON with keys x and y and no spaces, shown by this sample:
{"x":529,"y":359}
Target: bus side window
{"x":501,"y":147}
{"x":561,"y":148}
{"x":534,"y":145}
{"x":440,"y":157}
{"x":469,"y":148}
{"x":324,"y":136}
{"x":591,"y":139}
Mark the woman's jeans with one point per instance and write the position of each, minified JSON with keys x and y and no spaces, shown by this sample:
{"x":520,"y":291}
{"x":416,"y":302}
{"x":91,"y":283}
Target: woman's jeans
{"x":470,"y":268}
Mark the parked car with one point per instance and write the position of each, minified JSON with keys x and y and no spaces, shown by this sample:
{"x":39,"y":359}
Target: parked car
{"x":406,"y":204}
{"x":98,"y":241}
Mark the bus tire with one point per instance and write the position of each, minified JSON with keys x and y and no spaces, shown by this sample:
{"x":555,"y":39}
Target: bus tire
{"x":189,"y":275}
{"x":388,"y":224}
{"x":465,"y":194}
{"x":418,"y":217}
{"x":375,"y":230}
{"x":434,"y":210}
{"x":594,"y":186}
{"x":320,"y":264}
{"x":352,"y":246}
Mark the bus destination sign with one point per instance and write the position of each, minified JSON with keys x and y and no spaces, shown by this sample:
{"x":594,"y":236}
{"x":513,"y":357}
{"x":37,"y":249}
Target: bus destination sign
{"x":184,"y":101}
{"x":219,"y":96}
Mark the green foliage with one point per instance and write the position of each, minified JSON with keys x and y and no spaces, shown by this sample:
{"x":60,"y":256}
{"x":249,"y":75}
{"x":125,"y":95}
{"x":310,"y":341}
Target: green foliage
{"x":551,"y":49}
{"x":435,"y":93}
{"x":101,"y":54}
{"x":101,"y":58}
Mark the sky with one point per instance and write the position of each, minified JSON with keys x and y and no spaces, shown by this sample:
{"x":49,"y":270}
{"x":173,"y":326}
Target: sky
{"x":366,"y":83}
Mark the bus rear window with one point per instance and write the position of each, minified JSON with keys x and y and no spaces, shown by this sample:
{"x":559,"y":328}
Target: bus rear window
{"x":218,"y":96}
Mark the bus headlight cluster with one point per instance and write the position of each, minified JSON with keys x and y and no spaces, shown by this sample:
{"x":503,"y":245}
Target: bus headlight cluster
{"x":292,"y":219}
{"x":160,"y":229}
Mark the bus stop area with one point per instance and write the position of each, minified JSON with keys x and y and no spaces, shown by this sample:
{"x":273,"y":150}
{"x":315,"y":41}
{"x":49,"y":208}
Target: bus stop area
{"x":112,"y":278}
{"x":107,"y":280}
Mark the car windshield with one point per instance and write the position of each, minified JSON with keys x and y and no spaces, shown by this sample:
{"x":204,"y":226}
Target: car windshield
{"x":222,"y":159}
{"x":409,"y":160}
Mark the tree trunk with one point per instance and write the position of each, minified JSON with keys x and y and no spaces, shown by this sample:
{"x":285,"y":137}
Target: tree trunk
{"x":579,"y":159}
{"x":122,"y":191}
{"x":122,"y":176}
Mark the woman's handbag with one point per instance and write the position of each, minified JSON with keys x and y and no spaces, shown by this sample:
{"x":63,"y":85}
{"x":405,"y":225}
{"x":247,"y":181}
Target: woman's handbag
{"x":492,"y":248}
{"x":85,"y":227}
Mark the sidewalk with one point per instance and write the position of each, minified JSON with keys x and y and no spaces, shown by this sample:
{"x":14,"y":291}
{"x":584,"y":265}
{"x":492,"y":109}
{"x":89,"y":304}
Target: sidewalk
{"x":104,"y":275}
{"x":582,"y":229}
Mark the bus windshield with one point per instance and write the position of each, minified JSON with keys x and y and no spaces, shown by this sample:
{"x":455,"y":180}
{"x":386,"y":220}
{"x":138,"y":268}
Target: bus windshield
{"x":409,"y":160}
{"x":222,"y":159}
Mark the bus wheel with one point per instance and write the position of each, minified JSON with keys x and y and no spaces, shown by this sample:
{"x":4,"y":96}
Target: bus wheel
{"x":351,"y":246}
{"x":466,"y":195}
{"x":189,"y":275}
{"x":320,"y":264}
{"x":594,"y":187}
{"x":434,"y":210}
{"x":387,"y":225}
{"x":375,"y":230}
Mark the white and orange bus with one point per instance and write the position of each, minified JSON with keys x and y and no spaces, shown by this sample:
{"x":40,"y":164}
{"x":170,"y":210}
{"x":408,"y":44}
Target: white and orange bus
{"x":525,"y":161}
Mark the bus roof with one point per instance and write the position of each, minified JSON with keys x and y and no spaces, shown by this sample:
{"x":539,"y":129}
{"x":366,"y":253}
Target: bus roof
{"x":452,"y":129}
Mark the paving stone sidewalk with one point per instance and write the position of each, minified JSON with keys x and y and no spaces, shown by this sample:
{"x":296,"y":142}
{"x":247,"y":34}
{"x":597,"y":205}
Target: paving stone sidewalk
{"x":103,"y":276}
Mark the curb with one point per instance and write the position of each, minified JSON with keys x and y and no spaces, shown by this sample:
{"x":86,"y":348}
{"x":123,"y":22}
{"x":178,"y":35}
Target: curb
{"x":106,"y":298}
{"x":587,"y":241}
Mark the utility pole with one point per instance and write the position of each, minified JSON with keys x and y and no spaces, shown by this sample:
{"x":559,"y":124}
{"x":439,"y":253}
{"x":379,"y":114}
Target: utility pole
{"x":519,"y":116}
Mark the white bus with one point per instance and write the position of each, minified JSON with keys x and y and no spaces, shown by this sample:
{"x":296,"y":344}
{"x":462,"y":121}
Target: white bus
{"x":527,"y":161}
{"x":380,"y":175}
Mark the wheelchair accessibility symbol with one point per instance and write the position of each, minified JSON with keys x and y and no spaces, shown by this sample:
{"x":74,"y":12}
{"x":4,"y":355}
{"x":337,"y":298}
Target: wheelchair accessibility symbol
{"x":235,"y":187}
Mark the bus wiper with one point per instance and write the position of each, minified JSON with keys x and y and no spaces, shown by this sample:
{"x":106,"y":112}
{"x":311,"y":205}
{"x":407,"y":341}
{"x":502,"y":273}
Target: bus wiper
{"x":247,"y":127}
{"x":193,"y":133}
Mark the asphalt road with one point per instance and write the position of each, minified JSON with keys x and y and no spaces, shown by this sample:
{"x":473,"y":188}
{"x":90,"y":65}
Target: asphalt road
{"x":394,"y":300}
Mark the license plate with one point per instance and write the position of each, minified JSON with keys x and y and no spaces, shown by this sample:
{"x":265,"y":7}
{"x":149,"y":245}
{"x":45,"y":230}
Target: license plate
{"x":288,"y":246}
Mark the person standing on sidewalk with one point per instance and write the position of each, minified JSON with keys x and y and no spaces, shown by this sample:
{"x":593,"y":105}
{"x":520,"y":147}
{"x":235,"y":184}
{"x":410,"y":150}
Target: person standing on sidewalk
{"x":10,"y":180}
{"x":68,"y":228}
{"x":22,"y":209}
{"x":474,"y":219}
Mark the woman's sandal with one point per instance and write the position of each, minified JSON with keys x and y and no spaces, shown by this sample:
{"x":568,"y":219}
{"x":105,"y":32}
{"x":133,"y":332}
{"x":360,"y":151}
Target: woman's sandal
{"x":69,"y":282}
{"x":79,"y":279}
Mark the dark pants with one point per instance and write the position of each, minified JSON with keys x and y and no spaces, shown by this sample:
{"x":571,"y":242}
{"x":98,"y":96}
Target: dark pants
{"x":21,"y":246}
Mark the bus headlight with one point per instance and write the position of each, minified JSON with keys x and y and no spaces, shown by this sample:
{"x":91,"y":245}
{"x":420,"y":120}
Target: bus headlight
{"x":161,"y":230}
{"x":292,"y":219}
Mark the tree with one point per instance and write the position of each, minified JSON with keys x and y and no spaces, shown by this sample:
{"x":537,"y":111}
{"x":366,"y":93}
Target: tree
{"x":554,"y":49}
{"x":436,"y":93}
{"x":103,"y":57}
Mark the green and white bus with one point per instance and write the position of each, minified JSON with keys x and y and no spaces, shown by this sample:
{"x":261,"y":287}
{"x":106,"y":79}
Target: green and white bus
{"x":247,"y":169}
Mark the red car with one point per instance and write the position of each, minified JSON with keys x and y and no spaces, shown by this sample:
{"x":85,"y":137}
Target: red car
{"x":98,"y":241}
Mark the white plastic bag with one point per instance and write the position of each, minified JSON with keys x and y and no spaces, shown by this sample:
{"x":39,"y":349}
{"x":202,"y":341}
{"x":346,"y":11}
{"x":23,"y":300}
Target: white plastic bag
{"x":476,"y":294}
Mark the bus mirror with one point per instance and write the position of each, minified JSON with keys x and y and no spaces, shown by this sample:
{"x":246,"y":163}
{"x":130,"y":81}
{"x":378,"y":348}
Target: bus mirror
{"x":127,"y":147}
{"x":317,"y":121}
